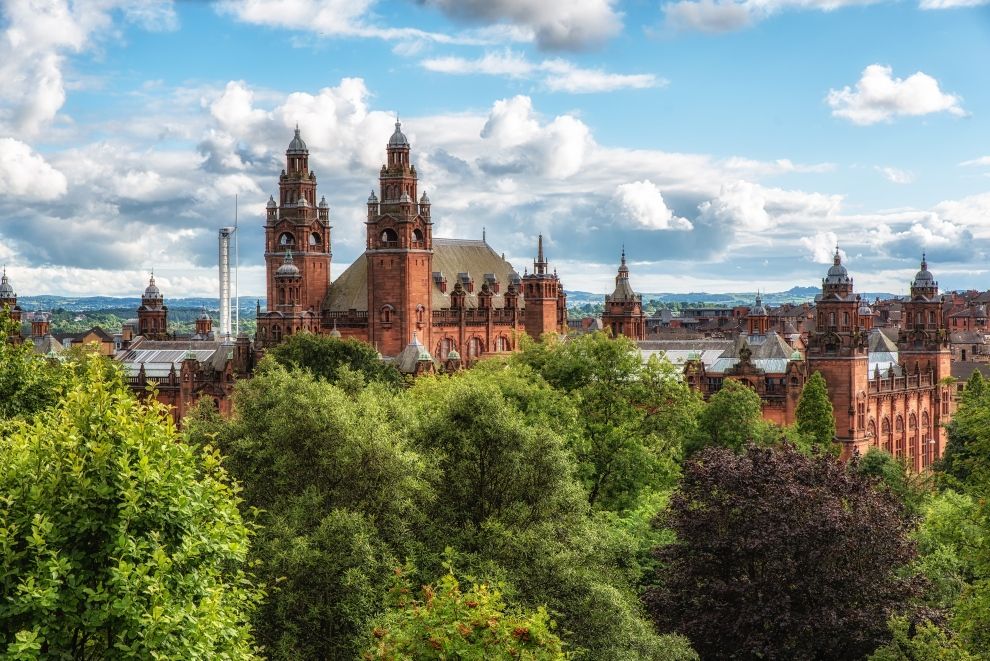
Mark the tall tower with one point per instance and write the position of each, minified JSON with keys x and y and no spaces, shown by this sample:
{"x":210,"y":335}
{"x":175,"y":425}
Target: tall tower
{"x":838,"y":348}
{"x":543,"y":295}
{"x":153,"y":313}
{"x":297,"y":251}
{"x":399,"y":254}
{"x":758,"y":319}
{"x":224,"y":260}
{"x":298,"y":223}
{"x":624,"y":308}
{"x":8,"y":301}
{"x":923,"y":348}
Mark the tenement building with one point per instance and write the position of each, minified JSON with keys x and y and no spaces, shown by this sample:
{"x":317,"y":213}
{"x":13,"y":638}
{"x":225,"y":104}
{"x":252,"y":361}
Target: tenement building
{"x":408,"y":288}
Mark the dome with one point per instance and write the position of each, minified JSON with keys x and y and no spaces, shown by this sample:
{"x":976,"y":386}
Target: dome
{"x":302,"y":202}
{"x":152,"y":290}
{"x":398,"y":138}
{"x":758,"y":309}
{"x":297,"y":144}
{"x":271,"y":202}
{"x":424,"y":199}
{"x":837,"y":273}
{"x":6,"y":289}
{"x":287,"y":269}
{"x":924,"y":277}
{"x":372,"y":199}
{"x":453,"y":355}
{"x":335,"y":333}
{"x":204,"y":316}
{"x":865,"y":310}
{"x":323,"y":203}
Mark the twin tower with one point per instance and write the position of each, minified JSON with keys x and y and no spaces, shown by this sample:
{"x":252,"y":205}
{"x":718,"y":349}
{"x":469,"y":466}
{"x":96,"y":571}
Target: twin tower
{"x":452,"y":295}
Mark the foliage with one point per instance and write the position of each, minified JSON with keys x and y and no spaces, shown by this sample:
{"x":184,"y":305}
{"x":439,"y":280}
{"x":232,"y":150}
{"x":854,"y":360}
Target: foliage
{"x":116,"y":539}
{"x":445,"y":622}
{"x":921,"y":642}
{"x":911,"y":488}
{"x":966,"y":460}
{"x":781,"y":555}
{"x":634,"y":417}
{"x":814,"y":412}
{"x":325,"y":357}
{"x":28,"y":383}
{"x":731,"y":419}
{"x":341,"y":492}
{"x":949,"y":536}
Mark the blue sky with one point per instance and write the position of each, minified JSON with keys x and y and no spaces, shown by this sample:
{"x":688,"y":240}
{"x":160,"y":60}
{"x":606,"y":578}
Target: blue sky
{"x":728,"y":145}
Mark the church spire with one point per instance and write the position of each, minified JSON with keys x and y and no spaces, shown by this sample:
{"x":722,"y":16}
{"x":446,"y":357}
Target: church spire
{"x":540,"y":264}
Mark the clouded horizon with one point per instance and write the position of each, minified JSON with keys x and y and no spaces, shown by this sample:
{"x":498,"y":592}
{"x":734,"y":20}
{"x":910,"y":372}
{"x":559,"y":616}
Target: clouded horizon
{"x":728,"y":145}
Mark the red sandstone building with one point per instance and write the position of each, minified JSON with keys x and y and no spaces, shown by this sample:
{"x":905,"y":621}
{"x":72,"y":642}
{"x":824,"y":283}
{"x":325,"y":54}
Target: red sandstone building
{"x":450,"y":295}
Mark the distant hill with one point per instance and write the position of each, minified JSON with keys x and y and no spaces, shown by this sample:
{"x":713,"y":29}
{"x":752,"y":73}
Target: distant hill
{"x":94,"y":303}
{"x":792,"y":295}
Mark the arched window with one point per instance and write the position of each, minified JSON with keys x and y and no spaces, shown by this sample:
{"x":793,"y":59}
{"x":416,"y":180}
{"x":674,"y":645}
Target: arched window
{"x":885,"y":432}
{"x":931,"y":317}
{"x":474,"y":348}
{"x":919,"y":318}
{"x":502,"y":344}
{"x":276,"y":333}
{"x":389,"y":238}
{"x":386,"y":314}
{"x":417,"y":235}
{"x":831,"y":319}
{"x":315,"y":239}
{"x":872,"y":432}
{"x":286,"y":239}
{"x":444,"y":347}
{"x":845,"y":318}
{"x":899,"y":428}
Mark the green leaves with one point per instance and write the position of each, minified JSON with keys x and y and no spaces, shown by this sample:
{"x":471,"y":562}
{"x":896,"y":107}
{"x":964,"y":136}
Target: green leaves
{"x":115,"y":537}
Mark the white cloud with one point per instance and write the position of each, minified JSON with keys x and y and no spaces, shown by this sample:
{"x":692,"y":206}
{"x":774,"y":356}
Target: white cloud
{"x":555,"y":24}
{"x":35,"y":39}
{"x":879,"y":97}
{"x":951,"y":4}
{"x":25,"y":173}
{"x":729,"y":15}
{"x":739,"y":205}
{"x":896,"y":175}
{"x":641,"y":203}
{"x":556,"y":74}
{"x":821,"y":247}
{"x":983,"y":161}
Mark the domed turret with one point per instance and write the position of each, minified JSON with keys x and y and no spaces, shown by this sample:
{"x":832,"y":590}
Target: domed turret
{"x":152,"y":291}
{"x":323,"y":203}
{"x":398,"y":138}
{"x":372,"y":199}
{"x":424,"y":198}
{"x":759,"y":310}
{"x":297,"y":145}
{"x":272,"y":204}
{"x":288,"y":269}
{"x":6,"y":289}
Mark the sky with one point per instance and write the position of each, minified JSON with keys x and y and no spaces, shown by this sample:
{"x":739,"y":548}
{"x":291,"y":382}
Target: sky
{"x":728,"y":145}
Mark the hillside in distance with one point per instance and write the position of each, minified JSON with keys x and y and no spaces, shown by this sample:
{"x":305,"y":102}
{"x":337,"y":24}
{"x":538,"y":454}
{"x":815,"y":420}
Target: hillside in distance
{"x":792,"y":295}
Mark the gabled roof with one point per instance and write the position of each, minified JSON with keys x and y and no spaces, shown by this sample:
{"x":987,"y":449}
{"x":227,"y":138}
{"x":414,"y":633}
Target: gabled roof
{"x":450,"y":258}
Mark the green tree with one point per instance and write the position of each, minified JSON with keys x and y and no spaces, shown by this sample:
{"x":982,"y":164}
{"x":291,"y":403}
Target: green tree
{"x":732,"y":418}
{"x":338,"y":493}
{"x":966,"y":461}
{"x":634,"y":416}
{"x":28,"y":383}
{"x":921,"y":642}
{"x":814,"y":413}
{"x":117,"y":539}
{"x":911,"y":488}
{"x":326,"y":356}
{"x":443,"y":621}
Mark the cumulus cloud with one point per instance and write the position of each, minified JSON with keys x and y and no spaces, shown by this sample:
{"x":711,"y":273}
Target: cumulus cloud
{"x":554,"y":24}
{"x":556,"y":74}
{"x":640,"y":203}
{"x":821,"y":247}
{"x":739,"y":205}
{"x":35,"y":39}
{"x":879,"y":97}
{"x":25,"y":173}
{"x":896,"y":175}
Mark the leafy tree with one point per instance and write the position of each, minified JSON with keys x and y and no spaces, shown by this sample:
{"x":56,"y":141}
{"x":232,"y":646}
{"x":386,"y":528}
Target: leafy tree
{"x":911,"y":488}
{"x":508,"y":500}
{"x":634,"y":417}
{"x":814,"y":412}
{"x":28,"y":383}
{"x":117,"y":539}
{"x":326,"y":356}
{"x":338,"y":492}
{"x":966,"y":460}
{"x":781,"y":555}
{"x":921,"y":642}
{"x":445,"y":622}
{"x":732,"y":418}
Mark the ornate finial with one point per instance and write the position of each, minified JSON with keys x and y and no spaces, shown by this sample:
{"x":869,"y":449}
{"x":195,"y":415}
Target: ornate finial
{"x":837,"y":259}
{"x":484,"y":236}
{"x":288,"y":256}
{"x":152,"y":281}
{"x":924,"y":262}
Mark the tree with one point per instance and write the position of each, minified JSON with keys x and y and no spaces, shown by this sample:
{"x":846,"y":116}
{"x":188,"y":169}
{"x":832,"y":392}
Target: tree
{"x":921,"y":642}
{"x":732,"y":418}
{"x":445,"y":622}
{"x":911,"y":488}
{"x":28,"y":383}
{"x":814,"y":412}
{"x":326,"y":356}
{"x":337,"y":491}
{"x":117,"y":539}
{"x":966,"y":460}
{"x":634,"y":417}
{"x":781,"y":555}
